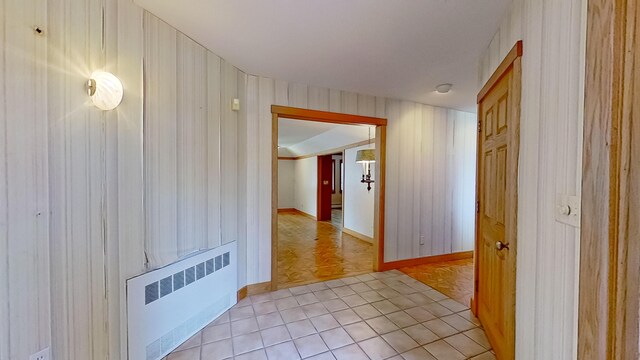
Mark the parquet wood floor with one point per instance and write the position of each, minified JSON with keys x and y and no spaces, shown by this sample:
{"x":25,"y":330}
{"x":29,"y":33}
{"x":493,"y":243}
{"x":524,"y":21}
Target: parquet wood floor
{"x":311,"y":251}
{"x":452,"y":278}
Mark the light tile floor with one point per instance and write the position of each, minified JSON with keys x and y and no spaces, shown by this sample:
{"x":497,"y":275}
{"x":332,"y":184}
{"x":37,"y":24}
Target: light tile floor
{"x":386,"y":315}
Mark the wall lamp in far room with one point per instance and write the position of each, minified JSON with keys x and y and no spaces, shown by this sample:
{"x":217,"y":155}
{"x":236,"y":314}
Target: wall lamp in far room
{"x":105,"y":90}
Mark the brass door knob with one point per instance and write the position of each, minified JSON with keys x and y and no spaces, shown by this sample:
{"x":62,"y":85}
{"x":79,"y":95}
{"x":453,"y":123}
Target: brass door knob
{"x":500,"y":245}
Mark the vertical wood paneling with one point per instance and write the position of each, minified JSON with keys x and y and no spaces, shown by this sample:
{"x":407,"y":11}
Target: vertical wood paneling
{"x":318,"y":98}
{"x":125,"y":186}
{"x":282,"y":93}
{"x":405,"y":183}
{"x":298,"y":95}
{"x":266,"y":97}
{"x":253,"y":176}
{"x":335,"y":100}
{"x":24,"y":217}
{"x":213,"y":152}
{"x":550,"y":153}
{"x":229,"y":154}
{"x":366,"y":105}
{"x":349,"y":103}
{"x":428,"y":177}
{"x":392,"y":181}
{"x":243,"y":148}
{"x":161,"y":140}
{"x":192,"y":145}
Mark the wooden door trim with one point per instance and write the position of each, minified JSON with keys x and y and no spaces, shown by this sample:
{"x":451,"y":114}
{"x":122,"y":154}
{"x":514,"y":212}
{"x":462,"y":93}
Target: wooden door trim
{"x":292,"y":113}
{"x":505,"y":65}
{"x":608,"y":307}
{"x":511,"y":64}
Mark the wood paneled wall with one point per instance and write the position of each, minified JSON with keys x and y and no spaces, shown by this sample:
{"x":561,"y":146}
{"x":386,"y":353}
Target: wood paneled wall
{"x":90,"y":198}
{"x":430,"y":180}
{"x":553,"y":33}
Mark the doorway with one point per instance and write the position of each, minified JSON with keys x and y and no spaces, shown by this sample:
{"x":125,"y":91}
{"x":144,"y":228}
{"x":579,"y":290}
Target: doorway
{"x":325,"y":173}
{"x":496,"y":218}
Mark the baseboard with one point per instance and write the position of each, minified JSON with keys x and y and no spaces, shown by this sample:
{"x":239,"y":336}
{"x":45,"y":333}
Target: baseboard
{"x":426,"y":260}
{"x":254,"y":289}
{"x":286,"y":210}
{"x":297,"y":211}
{"x":357,"y":235}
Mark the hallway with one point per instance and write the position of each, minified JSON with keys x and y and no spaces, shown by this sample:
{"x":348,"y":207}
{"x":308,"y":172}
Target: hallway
{"x":310,"y":251}
{"x":385,"y":315}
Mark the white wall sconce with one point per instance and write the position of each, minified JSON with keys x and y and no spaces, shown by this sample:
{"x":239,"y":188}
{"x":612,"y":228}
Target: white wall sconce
{"x":367,"y":158}
{"x":105,"y":90}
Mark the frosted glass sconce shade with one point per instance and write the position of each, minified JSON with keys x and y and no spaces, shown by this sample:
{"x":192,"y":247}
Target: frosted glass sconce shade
{"x":105,"y":90}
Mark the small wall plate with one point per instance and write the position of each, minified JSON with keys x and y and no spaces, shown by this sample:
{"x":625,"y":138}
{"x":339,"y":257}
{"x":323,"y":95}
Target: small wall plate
{"x":567,"y":210}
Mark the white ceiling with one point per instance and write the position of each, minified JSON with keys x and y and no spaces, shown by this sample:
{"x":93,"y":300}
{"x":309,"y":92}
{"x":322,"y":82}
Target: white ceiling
{"x":394,"y":48}
{"x":299,"y":138}
{"x":291,"y":132}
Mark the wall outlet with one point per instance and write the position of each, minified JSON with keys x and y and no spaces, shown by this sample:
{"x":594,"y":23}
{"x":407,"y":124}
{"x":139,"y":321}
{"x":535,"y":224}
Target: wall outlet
{"x":40,"y":355}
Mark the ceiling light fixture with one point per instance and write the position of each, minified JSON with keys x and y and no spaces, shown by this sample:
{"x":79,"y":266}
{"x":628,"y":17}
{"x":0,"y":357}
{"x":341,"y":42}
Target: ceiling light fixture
{"x":444,"y":88}
{"x":105,"y":90}
{"x":366,"y":157}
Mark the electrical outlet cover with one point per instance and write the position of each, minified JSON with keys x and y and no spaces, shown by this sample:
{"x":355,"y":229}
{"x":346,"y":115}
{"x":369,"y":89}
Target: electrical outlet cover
{"x":40,"y":355}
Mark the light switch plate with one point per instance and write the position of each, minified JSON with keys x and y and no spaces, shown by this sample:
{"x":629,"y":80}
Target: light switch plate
{"x":40,"y":355}
{"x":567,"y":210}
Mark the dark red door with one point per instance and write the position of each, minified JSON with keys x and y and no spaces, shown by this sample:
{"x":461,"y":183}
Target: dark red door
{"x":325,"y":173}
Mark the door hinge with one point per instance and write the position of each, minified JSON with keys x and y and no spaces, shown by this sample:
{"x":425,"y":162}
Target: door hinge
{"x":477,"y":207}
{"x":479,"y":126}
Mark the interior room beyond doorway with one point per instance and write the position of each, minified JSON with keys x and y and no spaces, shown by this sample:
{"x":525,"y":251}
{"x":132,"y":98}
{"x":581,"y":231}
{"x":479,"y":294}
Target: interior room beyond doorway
{"x":325,"y":213}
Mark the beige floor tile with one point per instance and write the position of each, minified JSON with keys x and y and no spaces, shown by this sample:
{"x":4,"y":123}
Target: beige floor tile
{"x":215,"y":333}
{"x":401,"y":319}
{"x":441,"y":350}
{"x":420,"y":314}
{"x":485,"y":356}
{"x":194,"y":341}
{"x":263,"y":308}
{"x":244,"y":326}
{"x":440,"y":328}
{"x":292,"y":315}
{"x":437,"y":309}
{"x":324,"y":322}
{"x":465,"y":345}
{"x":360,"y":331}
{"x":218,"y":350}
{"x":354,"y":300}
{"x":324,"y":295}
{"x":310,"y":345}
{"x":336,"y":338}
{"x":458,"y":322}
{"x":453,"y":305}
{"x":417,"y":354}
{"x":385,"y":307}
{"x":269,"y":320}
{"x":421,"y":334}
{"x":382,"y":325}
{"x":285,"y":350}
{"x":479,"y":336}
{"x":367,"y":311}
{"x":247,"y":343}
{"x":376,"y":348}
{"x":275,"y":335}
{"x":334,"y":305}
{"x":324,"y":356}
{"x":254,"y":355}
{"x":241,"y":313}
{"x":346,"y":317}
{"x":400,"y":341}
{"x":190,"y":354}
{"x":351,"y":352}
{"x":301,"y":328}
{"x":308,"y":298}
{"x":314,"y":310}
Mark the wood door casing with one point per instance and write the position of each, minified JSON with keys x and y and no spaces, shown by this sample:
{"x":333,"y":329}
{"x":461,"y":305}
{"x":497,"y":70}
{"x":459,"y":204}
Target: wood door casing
{"x":498,"y":147}
{"x":325,"y":172}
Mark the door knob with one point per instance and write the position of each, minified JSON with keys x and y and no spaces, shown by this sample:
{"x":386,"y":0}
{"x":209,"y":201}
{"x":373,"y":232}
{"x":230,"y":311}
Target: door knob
{"x":500,"y":245}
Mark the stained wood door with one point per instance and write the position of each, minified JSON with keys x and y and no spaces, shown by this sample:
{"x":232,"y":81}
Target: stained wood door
{"x":325,"y":173}
{"x":498,"y":142}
